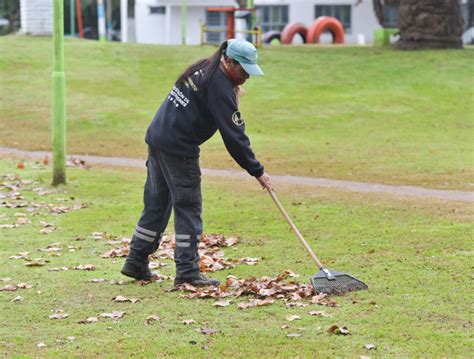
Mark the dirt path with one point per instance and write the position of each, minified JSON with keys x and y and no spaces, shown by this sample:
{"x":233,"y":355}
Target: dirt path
{"x":453,"y":195}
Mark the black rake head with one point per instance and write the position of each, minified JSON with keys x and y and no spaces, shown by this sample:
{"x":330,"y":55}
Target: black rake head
{"x":330,"y":282}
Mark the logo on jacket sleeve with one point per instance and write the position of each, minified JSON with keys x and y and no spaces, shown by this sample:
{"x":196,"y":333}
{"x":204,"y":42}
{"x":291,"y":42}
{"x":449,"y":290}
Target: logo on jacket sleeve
{"x":237,"y":119}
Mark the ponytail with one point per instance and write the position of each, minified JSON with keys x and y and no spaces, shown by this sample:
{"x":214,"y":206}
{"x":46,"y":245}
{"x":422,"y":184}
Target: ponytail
{"x":207,"y":66}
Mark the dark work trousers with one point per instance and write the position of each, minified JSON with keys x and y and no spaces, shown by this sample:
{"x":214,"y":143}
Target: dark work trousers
{"x":173,"y":182}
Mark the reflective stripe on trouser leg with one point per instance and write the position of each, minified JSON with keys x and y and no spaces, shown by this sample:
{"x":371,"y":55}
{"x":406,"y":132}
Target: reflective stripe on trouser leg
{"x":183,"y":177}
{"x":155,"y":215}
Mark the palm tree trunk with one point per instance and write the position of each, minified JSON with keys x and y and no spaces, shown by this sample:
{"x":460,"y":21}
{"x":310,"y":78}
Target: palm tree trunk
{"x":434,"y":24}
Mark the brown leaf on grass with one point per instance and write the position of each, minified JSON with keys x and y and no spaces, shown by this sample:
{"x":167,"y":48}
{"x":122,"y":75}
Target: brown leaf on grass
{"x":21,"y":255}
{"x":370,"y":346}
{"x":35,"y":263}
{"x":249,"y":261}
{"x":188,"y":321}
{"x":152,"y":318}
{"x":320,"y":313}
{"x":88,"y":320}
{"x":322,"y":299}
{"x":207,"y":331}
{"x":285,"y":326}
{"x":334,"y":329}
{"x":97,"y":280}
{"x":222,"y":303}
{"x":77,"y":162}
{"x":113,"y":315}
{"x":97,"y":235}
{"x":295,"y":304}
{"x":21,"y":165}
{"x":24,"y":286}
{"x":9,"y":288}
{"x":253,"y":303}
{"x":45,"y":160}
{"x":22,"y":221}
{"x":59,"y":314}
{"x":47,"y":230}
{"x":8,"y":225}
{"x":291,"y":317}
{"x":85,"y":267}
{"x":116,"y":252}
{"x":122,"y":299}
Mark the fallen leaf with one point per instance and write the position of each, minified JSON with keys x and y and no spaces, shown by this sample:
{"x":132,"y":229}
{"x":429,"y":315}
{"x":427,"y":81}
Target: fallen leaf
{"x":290,"y":318}
{"x":89,"y":320}
{"x":21,"y":165}
{"x":188,"y":321}
{"x":41,"y":345}
{"x":338,"y":330}
{"x":114,"y":315}
{"x":320,"y":313}
{"x":97,"y":280}
{"x":286,"y":326}
{"x":151,"y":318}
{"x":22,"y":221}
{"x":122,"y":299}
{"x":370,"y":346}
{"x":34,"y":264}
{"x":18,"y":299}
{"x":85,"y":267}
{"x":207,"y":331}
{"x":6,"y":279}
{"x":59,"y":316}
{"x":222,"y":303}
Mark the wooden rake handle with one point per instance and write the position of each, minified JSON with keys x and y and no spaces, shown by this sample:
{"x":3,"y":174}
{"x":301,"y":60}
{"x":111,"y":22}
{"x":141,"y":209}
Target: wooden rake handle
{"x":293,"y":227}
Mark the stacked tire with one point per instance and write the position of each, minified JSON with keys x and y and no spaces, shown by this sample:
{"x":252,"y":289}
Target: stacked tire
{"x":312,"y":34}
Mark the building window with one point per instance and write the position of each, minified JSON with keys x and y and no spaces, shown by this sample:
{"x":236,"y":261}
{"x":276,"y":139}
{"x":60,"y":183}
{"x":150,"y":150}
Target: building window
{"x":215,"y":20}
{"x":341,"y":12}
{"x":158,"y":10}
{"x":390,"y":16}
{"x":272,"y":17}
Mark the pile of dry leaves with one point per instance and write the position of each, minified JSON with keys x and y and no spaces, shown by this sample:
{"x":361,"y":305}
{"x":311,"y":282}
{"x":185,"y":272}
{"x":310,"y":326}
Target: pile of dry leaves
{"x":210,"y":252}
{"x":263,"y":291}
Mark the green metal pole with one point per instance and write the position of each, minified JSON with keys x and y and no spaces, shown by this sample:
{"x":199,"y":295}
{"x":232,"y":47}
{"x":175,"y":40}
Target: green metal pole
{"x":252,"y":14}
{"x":72,"y":17}
{"x":183,"y":22}
{"x":59,"y":89}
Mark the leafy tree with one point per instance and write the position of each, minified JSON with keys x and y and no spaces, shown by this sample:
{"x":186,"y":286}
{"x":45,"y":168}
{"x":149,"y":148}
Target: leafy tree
{"x":10,"y":10}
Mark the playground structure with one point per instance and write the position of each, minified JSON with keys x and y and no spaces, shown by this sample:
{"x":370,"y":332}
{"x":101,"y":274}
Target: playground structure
{"x":255,"y":33}
{"x":312,"y":34}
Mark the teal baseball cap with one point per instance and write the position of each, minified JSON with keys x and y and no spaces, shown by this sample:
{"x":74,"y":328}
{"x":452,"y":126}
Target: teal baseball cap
{"x":246,"y":54}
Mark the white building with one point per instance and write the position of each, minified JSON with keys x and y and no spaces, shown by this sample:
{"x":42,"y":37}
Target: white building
{"x":159,"y":21}
{"x":36,"y":17}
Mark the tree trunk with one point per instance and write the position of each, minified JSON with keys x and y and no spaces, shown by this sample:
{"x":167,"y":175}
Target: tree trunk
{"x":429,"y":24}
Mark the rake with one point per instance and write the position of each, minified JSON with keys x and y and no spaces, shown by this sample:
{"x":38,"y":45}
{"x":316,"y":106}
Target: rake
{"x":326,"y":281}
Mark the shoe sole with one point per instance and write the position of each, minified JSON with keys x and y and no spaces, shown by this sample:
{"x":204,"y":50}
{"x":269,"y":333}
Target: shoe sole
{"x":131,"y":275}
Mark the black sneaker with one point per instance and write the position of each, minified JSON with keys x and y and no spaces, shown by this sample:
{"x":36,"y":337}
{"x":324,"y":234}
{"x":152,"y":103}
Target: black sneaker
{"x":136,"y":271}
{"x":200,"y":281}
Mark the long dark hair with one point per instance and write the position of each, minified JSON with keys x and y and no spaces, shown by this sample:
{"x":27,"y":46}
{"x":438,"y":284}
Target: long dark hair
{"x":207,"y":66}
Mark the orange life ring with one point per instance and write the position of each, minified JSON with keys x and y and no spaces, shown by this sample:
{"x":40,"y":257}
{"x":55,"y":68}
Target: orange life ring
{"x":326,"y":23}
{"x":290,"y":30}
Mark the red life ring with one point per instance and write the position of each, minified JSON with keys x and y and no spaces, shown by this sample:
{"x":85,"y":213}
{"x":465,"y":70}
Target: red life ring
{"x":290,"y":30}
{"x":326,"y":23}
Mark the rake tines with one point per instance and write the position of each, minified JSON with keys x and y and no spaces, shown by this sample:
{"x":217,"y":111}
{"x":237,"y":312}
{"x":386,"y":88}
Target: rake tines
{"x":336,"y":283}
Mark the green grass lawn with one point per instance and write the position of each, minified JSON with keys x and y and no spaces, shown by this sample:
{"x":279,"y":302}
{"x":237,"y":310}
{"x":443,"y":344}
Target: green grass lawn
{"x":346,"y":113}
{"x":416,"y":257}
